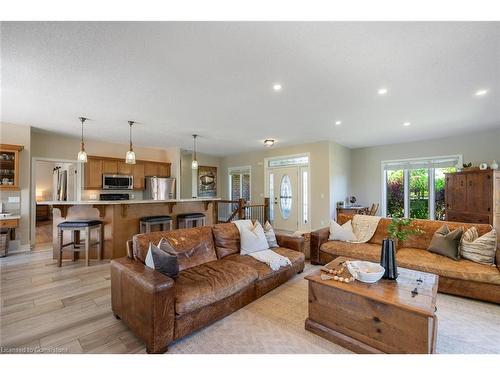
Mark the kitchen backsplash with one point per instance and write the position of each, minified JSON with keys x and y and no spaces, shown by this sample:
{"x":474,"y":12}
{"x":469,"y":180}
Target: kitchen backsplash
{"x":11,"y":201}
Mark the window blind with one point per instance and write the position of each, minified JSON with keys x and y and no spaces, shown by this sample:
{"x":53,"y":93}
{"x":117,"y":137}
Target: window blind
{"x":436,"y":162}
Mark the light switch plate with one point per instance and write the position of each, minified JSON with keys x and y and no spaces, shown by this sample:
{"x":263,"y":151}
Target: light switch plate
{"x":14,"y":199}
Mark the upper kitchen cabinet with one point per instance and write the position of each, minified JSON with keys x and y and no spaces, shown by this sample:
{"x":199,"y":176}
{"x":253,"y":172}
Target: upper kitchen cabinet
{"x":97,"y":166}
{"x":9,"y":166}
{"x":138,"y":173}
{"x":156,"y":169}
{"x":124,"y":168}
{"x":93,"y":173}
{"x":109,"y":166}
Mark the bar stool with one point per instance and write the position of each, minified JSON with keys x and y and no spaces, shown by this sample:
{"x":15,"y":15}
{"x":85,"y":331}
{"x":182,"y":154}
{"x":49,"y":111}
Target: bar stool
{"x":165,"y":223}
{"x":75,"y":226}
{"x":195,"y":219}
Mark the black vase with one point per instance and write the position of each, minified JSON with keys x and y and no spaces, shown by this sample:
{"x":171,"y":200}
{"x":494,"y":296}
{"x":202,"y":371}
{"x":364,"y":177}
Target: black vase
{"x":388,"y":260}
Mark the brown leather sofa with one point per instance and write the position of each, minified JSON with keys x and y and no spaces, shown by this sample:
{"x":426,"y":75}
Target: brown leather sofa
{"x":214,"y":281}
{"x":462,"y":277}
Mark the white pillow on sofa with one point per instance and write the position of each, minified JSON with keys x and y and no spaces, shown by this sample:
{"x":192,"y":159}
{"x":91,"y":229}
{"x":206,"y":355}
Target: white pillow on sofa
{"x":252,"y":236}
{"x":341,"y":233}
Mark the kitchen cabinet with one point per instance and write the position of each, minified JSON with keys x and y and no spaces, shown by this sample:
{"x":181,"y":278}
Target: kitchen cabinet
{"x":109,"y":166}
{"x":9,"y":166}
{"x":93,"y":174}
{"x":156,"y":169}
{"x":164,"y":170}
{"x":138,"y":173}
{"x":96,"y":166}
{"x":124,"y":168}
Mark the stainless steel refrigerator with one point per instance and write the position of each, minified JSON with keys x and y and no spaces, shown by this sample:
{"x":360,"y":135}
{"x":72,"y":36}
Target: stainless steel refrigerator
{"x":160,"y":188}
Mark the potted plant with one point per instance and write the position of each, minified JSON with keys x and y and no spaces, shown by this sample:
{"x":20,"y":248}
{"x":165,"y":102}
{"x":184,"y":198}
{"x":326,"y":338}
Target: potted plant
{"x":398,"y":230}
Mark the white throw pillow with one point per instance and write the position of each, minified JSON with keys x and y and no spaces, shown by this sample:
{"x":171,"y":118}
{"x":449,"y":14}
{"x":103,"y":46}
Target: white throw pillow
{"x":341,"y":233}
{"x":252,"y":236}
{"x":270,"y":235}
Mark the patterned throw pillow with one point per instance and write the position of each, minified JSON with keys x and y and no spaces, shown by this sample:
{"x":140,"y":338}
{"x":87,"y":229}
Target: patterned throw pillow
{"x":270,"y":235}
{"x":479,"y":249}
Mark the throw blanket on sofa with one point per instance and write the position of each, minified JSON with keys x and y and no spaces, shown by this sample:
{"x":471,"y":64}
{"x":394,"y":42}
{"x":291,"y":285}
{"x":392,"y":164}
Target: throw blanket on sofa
{"x":254,"y":243}
{"x":271,"y":258}
{"x":364,"y":227}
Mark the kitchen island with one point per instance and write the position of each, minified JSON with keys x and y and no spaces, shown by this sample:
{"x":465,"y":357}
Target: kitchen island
{"x":121,"y":218}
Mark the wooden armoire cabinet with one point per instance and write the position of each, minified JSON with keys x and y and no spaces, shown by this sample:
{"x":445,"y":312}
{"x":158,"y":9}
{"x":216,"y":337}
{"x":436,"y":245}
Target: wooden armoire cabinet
{"x":473,"y":196}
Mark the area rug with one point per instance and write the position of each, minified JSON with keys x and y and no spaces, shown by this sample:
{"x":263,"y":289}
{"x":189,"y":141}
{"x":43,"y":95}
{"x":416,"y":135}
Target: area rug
{"x":275,"y":324}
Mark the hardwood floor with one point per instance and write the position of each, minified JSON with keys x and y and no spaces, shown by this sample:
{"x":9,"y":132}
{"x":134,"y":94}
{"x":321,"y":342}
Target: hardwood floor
{"x":43,"y":232}
{"x":59,"y":310}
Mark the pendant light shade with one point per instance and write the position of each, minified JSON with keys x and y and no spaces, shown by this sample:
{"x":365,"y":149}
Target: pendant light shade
{"x":82,"y":155}
{"x":194,"y":163}
{"x":130,"y":156}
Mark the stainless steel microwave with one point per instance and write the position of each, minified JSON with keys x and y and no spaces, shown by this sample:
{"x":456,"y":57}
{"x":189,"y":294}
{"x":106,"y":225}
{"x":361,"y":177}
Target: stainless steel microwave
{"x":117,"y":182}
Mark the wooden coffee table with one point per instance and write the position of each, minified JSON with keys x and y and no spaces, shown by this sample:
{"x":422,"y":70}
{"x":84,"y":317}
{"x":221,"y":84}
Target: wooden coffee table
{"x":384,"y":317}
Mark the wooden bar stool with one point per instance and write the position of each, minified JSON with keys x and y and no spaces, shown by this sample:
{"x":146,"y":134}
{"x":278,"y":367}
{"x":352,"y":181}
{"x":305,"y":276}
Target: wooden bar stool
{"x":75,"y":226}
{"x":164,"y":221}
{"x":195,"y":219}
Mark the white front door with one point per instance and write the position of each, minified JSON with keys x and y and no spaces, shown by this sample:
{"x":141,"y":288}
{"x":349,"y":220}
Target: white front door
{"x":286,"y":198}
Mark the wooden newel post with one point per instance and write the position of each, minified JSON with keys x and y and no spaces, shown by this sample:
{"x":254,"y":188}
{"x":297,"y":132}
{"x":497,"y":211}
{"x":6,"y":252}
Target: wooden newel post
{"x":266,"y":209}
{"x":241,"y":210}
{"x":215,"y":212}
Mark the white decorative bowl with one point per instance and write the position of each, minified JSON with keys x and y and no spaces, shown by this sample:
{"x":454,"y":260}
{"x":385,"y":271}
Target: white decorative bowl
{"x":367,"y":272}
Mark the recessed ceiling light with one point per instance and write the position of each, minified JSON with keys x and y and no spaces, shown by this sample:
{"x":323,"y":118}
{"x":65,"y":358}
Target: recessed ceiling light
{"x":406,"y":123}
{"x":269,"y":142}
{"x":338,"y":122}
{"x":481,"y":92}
{"x":277,"y":87}
{"x":382,"y":91}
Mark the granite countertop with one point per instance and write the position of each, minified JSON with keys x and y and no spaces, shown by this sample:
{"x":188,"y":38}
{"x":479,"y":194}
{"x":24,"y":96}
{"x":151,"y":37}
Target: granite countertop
{"x":10,"y":217}
{"x":146,"y":201}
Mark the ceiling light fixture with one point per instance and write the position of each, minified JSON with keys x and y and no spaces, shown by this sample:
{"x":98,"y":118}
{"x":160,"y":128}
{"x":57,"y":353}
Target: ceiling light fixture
{"x":277,"y":87}
{"x":82,"y":155}
{"x":338,"y":122}
{"x":481,"y":92}
{"x":382,"y":91}
{"x":130,"y":156}
{"x":407,"y":123}
{"x":269,"y":142}
{"x":194,"y":163}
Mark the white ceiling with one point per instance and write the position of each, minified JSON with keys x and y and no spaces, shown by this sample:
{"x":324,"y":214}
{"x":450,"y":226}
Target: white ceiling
{"x":215,"y":79}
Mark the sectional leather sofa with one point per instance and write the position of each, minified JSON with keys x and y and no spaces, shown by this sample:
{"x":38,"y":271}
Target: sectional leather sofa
{"x":214,"y":281}
{"x":458,"y":277}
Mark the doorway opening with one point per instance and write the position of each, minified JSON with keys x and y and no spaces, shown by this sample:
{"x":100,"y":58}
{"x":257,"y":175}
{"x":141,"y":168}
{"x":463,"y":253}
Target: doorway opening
{"x":288,"y":187}
{"x":54,"y":180}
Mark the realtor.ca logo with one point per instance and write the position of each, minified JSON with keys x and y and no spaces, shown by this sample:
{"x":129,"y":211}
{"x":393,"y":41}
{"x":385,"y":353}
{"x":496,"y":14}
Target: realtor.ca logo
{"x":32,"y":350}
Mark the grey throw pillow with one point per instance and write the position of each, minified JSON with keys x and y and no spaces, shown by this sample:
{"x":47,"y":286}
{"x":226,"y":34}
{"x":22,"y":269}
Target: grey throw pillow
{"x":270,"y":235}
{"x":446,"y":243}
{"x":161,"y":260}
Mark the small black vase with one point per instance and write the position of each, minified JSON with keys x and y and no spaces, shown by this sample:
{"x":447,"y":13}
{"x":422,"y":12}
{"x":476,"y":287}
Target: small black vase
{"x":388,"y":260}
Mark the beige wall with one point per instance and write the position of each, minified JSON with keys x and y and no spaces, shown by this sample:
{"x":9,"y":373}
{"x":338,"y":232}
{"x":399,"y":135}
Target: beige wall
{"x":327,"y":160}
{"x":19,"y":135}
{"x":366,"y":162}
{"x":340,"y":174}
{"x":44,"y":179}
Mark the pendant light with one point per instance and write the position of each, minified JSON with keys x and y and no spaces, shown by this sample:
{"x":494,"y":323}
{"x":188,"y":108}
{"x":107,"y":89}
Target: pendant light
{"x":82,"y":155}
{"x":130,"y":156}
{"x":194,"y":163}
